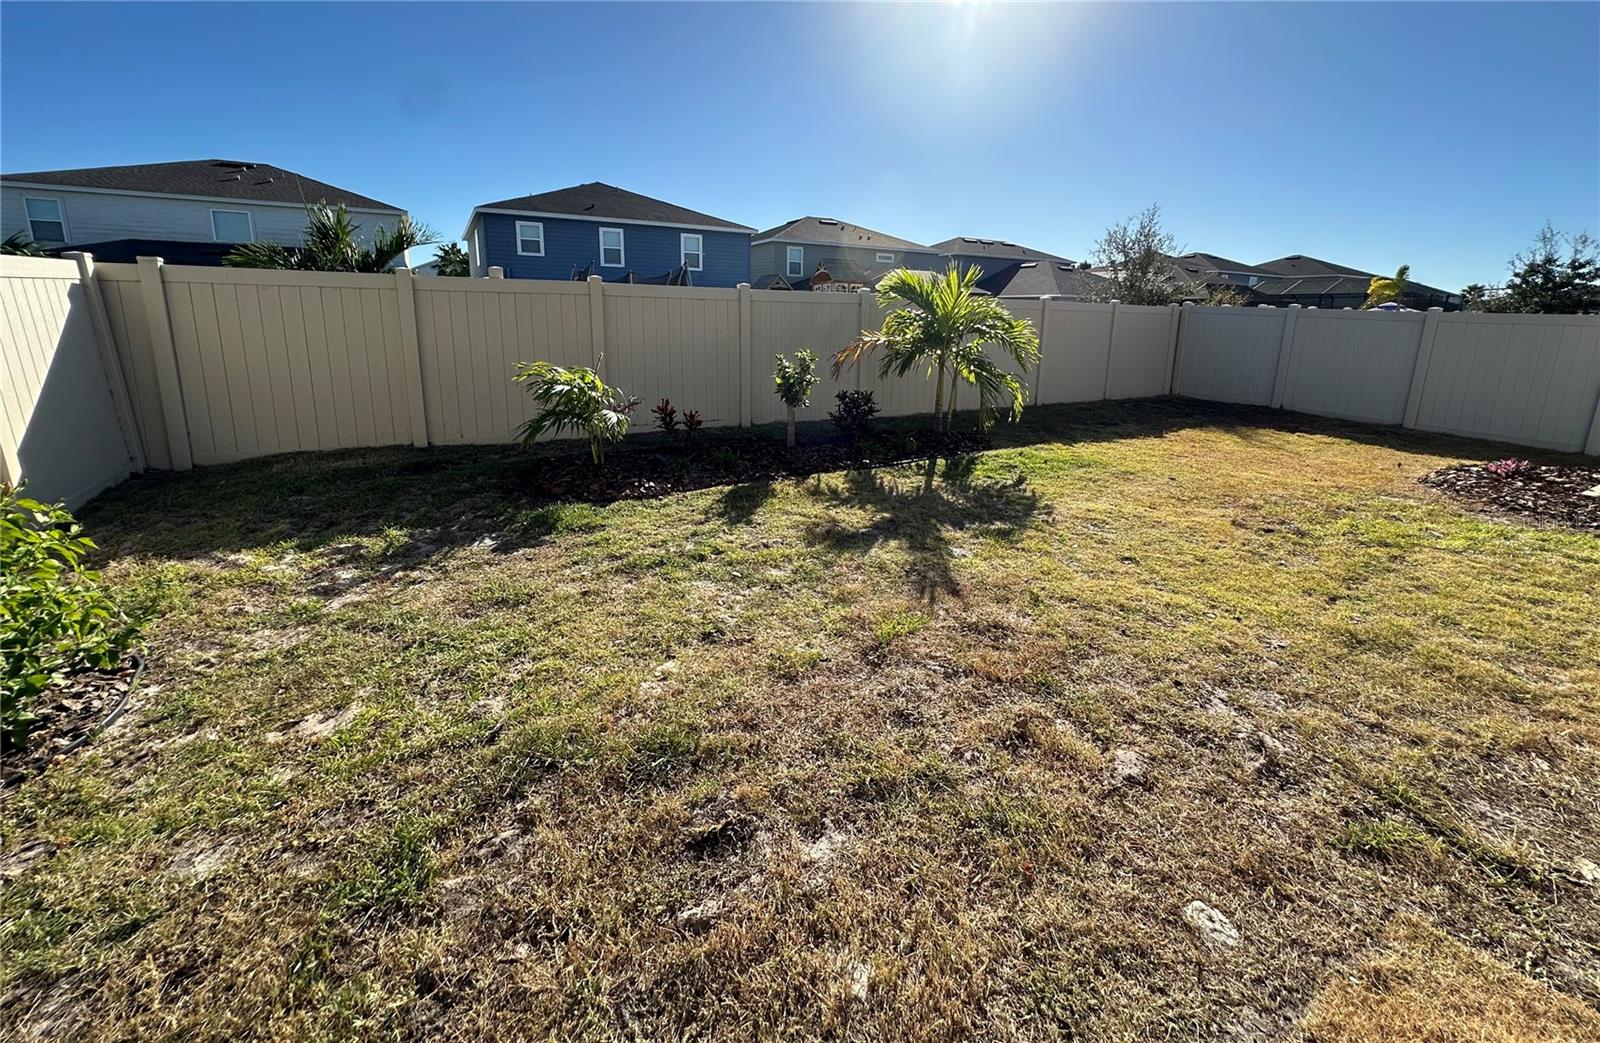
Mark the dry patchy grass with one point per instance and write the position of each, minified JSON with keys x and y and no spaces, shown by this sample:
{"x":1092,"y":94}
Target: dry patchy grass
{"x":836,"y":758}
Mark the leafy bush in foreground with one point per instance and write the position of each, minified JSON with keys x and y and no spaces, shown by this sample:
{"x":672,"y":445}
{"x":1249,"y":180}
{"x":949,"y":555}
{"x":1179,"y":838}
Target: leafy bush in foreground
{"x":55,"y":617}
{"x":575,"y":399}
{"x":792,"y":383}
{"x":854,"y":410}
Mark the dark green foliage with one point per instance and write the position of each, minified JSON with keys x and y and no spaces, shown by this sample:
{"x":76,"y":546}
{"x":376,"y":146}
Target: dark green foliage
{"x":332,"y":245}
{"x":452,"y":261}
{"x":575,"y":399}
{"x":18,"y":244}
{"x":55,"y":617}
{"x":1559,"y":275}
{"x":850,"y":416}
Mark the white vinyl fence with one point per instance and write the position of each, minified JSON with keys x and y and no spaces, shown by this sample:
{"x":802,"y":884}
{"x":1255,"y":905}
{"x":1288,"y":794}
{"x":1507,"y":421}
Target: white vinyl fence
{"x":1525,"y":379}
{"x":106,"y":369}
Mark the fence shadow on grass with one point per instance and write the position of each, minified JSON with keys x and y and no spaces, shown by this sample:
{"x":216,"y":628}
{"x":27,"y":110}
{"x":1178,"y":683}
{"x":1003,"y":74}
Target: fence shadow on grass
{"x":923,"y":511}
{"x":428,"y":502}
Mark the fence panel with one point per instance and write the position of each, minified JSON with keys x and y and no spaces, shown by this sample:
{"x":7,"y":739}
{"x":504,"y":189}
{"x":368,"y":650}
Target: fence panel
{"x":1230,"y":354}
{"x":784,"y":322}
{"x":130,"y":329}
{"x":1529,"y":379}
{"x":58,"y":423}
{"x":472,"y":333}
{"x":1351,"y":364}
{"x":1077,"y":343}
{"x":1141,"y":353}
{"x":677,"y":343}
{"x":274,"y":362}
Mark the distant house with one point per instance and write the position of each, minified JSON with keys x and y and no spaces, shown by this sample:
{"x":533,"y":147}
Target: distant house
{"x":190,"y":212}
{"x":988,"y":255}
{"x":824,"y":252}
{"x":1215,"y":271}
{"x":1314,"y":283}
{"x":1033,"y":279}
{"x":599,"y":229}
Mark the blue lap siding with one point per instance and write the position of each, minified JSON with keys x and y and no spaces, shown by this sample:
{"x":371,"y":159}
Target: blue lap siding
{"x":649,"y":250}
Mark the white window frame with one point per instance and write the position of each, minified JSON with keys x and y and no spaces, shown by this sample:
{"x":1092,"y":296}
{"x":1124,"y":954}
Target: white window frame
{"x":885,"y":258}
{"x":794,"y":260}
{"x":249,"y":219}
{"x":475,"y":260}
{"x":61,"y":217}
{"x":622,"y":248}
{"x":530,"y":224}
{"x":700,"y":250}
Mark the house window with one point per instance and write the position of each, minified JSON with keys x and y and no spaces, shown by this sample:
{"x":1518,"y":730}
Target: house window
{"x":692,"y":251}
{"x":475,"y":260}
{"x":45,"y":223}
{"x":797,"y":260}
{"x":886,"y":258}
{"x":530,"y":238}
{"x":611,"y":255}
{"x":231,"y":226}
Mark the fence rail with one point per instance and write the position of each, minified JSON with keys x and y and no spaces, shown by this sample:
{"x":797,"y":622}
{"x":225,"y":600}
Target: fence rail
{"x":106,"y":369}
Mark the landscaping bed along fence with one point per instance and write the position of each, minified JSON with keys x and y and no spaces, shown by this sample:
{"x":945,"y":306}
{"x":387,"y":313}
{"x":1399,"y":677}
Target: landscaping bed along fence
{"x":109,"y":369}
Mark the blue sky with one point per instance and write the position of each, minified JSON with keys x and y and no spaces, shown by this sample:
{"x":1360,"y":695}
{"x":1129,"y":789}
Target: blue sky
{"x":1439,"y":135}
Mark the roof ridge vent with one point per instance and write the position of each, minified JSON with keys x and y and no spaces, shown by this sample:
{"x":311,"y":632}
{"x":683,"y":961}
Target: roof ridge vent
{"x":827,"y":221}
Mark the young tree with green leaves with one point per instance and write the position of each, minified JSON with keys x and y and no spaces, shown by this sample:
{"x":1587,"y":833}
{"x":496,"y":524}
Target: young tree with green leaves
{"x":575,"y":399}
{"x":332,"y":245}
{"x":1559,"y":275}
{"x":1383,"y":290}
{"x":1136,"y":256}
{"x":793,"y":381}
{"x":946,"y":329}
{"x":452,"y":261}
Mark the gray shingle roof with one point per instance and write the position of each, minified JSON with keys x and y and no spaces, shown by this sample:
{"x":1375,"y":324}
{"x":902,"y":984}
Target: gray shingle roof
{"x":974,"y":246}
{"x":217,"y":178}
{"x":600,"y":200}
{"x":832,"y":230}
{"x":1212,"y":262}
{"x":1300,"y":264}
{"x":1041,"y":279}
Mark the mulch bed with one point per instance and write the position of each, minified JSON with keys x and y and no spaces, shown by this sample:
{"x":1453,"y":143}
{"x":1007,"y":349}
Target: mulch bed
{"x":659,"y":466}
{"x":68,"y":717}
{"x":1549,"y":492}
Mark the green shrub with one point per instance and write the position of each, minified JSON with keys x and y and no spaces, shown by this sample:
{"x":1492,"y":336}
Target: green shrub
{"x":575,"y":399}
{"x":792,"y":383}
{"x":55,"y":618}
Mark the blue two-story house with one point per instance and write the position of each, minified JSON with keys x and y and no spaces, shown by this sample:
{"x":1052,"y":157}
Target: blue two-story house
{"x":598,"y":229}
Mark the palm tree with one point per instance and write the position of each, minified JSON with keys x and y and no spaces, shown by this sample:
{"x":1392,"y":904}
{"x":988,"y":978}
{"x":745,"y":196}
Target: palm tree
{"x":331,"y":245}
{"x":947,"y":330}
{"x":18,"y":244}
{"x":1382,"y":291}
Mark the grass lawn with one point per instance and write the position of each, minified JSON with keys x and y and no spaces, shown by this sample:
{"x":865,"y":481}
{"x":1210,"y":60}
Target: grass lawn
{"x":871,"y":755}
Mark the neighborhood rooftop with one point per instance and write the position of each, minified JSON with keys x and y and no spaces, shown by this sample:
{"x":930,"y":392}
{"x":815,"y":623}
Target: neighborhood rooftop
{"x":209,"y":178}
{"x":975,"y":246}
{"x":1041,"y":279}
{"x":599,"y":200}
{"x":832,"y":231}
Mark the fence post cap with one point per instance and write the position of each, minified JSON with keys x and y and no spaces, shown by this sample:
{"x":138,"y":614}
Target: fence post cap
{"x":496,"y":272}
{"x":593,"y":279}
{"x":141,"y":259}
{"x":742,"y":286}
{"x":1293,"y":306}
{"x":1437,"y":309}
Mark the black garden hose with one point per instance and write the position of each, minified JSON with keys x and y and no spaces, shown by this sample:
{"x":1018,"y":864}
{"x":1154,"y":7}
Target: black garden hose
{"x":116,"y":711}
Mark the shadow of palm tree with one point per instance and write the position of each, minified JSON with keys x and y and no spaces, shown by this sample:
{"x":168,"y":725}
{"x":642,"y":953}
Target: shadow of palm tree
{"x":739,"y":503}
{"x":923,"y":513}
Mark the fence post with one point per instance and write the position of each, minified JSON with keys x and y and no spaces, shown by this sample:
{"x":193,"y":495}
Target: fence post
{"x":1111,"y":346}
{"x":109,"y":359}
{"x":745,"y":363}
{"x":496,"y":272}
{"x":1592,"y":445}
{"x":865,"y":321}
{"x":412,"y":345}
{"x":1177,"y":348}
{"x":597,"y":321}
{"x":166,"y":362}
{"x":1044,"y":329}
{"x":1280,"y":378}
{"x":1174,"y":323}
{"x":1419,"y":372}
